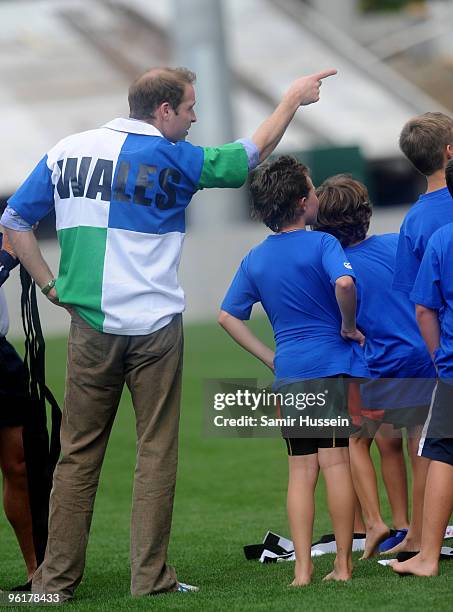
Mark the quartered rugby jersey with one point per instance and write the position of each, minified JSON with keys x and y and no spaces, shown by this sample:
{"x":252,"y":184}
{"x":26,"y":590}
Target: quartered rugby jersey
{"x":120,"y":194}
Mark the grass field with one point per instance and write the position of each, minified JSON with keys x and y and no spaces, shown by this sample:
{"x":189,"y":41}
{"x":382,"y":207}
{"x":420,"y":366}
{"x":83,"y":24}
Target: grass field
{"x":229,"y":492}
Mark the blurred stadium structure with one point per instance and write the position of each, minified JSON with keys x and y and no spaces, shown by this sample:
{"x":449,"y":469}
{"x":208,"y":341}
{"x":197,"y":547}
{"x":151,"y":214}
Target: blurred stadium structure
{"x":65,"y":66}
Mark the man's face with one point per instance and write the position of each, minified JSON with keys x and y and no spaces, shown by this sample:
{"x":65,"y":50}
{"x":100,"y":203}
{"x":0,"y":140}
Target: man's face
{"x":311,"y":204}
{"x":179,"y":121}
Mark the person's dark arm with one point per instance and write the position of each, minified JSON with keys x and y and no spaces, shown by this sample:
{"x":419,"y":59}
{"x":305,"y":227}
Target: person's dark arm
{"x":8,"y":259}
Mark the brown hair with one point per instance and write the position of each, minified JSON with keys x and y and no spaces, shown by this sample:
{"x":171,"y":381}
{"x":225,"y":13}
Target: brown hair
{"x":157,"y":86}
{"x":423,"y":140}
{"x":449,"y":176}
{"x":276,"y":188}
{"x":344,"y":209}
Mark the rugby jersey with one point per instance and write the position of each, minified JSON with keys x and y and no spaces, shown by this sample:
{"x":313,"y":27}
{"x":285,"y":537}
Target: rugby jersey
{"x":120,"y":194}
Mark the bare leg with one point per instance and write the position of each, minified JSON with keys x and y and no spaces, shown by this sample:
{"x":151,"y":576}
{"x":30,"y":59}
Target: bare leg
{"x":15,"y":492}
{"x":359,"y":525}
{"x":365,"y":484}
{"x":437,"y":509}
{"x":390,"y":444}
{"x":303,"y":475}
{"x":334,"y":463}
{"x":412,"y":541}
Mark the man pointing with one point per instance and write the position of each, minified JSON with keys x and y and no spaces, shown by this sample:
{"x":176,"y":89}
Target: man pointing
{"x":120,"y":194}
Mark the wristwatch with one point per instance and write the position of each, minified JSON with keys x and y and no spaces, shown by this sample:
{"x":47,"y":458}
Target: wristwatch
{"x":50,"y":285}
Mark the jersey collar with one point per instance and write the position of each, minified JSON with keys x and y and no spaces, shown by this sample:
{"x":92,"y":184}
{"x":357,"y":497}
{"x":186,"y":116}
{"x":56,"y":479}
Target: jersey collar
{"x":132,"y":126}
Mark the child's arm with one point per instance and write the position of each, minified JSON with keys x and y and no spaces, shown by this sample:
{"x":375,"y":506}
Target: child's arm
{"x":428,"y":322}
{"x":239,"y":331}
{"x":346,"y":297}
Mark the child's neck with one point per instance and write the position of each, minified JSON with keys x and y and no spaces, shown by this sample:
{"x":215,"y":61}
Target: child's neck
{"x":300,"y":225}
{"x":436,"y":181}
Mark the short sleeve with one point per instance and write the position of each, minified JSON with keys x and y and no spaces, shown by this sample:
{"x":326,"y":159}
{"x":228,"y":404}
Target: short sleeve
{"x":334,"y":260}
{"x":35,"y":197}
{"x":224,"y":166}
{"x":427,"y":288}
{"x":407,"y":263}
{"x":241,"y":295}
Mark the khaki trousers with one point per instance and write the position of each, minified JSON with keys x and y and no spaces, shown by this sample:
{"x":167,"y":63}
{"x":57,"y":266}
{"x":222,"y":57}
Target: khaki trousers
{"x":98,"y":366}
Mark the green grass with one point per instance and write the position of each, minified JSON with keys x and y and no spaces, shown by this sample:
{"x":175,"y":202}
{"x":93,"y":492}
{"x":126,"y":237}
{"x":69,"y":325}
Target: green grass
{"x":229,"y":492}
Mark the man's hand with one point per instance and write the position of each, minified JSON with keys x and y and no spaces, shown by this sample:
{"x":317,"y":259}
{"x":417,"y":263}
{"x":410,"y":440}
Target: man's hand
{"x":53,"y":297}
{"x":305,"y":90}
{"x":7,"y":246}
{"x":354,"y":335}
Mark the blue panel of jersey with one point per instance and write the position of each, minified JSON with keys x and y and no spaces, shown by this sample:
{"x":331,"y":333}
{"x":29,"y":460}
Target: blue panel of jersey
{"x":154,"y":182}
{"x":39,"y":190}
{"x":432,"y":211}
{"x":293,"y":276}
{"x":434,"y":289}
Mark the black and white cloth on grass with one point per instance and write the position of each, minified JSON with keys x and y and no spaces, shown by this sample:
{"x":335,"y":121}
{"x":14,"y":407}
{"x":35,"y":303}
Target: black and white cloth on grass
{"x":276,"y":548}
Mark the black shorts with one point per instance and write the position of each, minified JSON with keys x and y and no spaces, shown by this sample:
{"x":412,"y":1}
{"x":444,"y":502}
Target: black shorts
{"x":437,"y":437}
{"x":13,"y":389}
{"x":310,"y":446}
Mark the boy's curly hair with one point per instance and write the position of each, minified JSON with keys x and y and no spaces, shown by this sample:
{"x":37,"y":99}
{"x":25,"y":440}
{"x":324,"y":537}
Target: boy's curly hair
{"x":276,"y":188}
{"x":344,"y":209}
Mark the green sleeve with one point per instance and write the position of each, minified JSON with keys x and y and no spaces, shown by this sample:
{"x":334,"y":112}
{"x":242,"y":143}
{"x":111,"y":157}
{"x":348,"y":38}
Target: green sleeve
{"x":224,"y":166}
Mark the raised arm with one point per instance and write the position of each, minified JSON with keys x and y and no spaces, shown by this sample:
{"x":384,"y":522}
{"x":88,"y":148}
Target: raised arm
{"x":239,"y":331}
{"x":346,"y":297}
{"x":302,"y":92}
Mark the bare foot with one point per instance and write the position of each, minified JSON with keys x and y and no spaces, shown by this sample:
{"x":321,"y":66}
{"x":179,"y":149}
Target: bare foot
{"x":302,"y":577}
{"x":374,"y":536}
{"x":339,"y":576}
{"x":416,"y":566}
{"x":409,"y":544}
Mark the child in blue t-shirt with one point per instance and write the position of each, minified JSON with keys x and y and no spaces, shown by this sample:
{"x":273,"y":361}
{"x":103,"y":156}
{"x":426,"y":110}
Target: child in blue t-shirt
{"x":394,"y":350}
{"x":305,"y":284}
{"x":427,"y":142}
{"x":433,"y":294}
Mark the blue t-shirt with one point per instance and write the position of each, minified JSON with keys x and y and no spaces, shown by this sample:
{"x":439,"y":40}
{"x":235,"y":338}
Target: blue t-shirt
{"x":293,"y":276}
{"x":432,"y":211}
{"x":434,"y":289}
{"x":394,"y":347}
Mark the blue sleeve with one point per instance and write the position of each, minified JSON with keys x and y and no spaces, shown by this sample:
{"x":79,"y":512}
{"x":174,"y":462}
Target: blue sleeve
{"x":427,"y":288}
{"x":35,"y":197}
{"x":407,"y":263}
{"x":334,"y":260}
{"x":241,"y":295}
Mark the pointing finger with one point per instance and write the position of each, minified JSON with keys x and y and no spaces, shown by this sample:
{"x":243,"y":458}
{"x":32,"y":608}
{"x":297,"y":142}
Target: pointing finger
{"x":326,"y":73}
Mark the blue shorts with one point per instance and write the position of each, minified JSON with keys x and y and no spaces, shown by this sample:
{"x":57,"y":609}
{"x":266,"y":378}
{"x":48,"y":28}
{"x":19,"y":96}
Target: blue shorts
{"x":437,"y":438}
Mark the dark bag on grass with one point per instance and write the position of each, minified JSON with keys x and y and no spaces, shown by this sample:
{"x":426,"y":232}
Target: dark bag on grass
{"x":40,"y":456}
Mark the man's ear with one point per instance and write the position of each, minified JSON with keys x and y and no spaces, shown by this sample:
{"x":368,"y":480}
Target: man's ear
{"x":449,"y":151}
{"x":302,"y":202}
{"x":163,"y":111}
